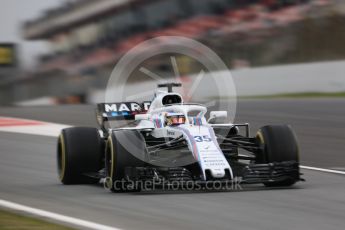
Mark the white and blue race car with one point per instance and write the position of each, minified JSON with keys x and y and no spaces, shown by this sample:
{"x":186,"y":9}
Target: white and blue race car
{"x":172,"y":142}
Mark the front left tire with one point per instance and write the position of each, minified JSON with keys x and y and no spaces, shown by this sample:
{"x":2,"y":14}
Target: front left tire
{"x":279,"y":145}
{"x":125,"y":148}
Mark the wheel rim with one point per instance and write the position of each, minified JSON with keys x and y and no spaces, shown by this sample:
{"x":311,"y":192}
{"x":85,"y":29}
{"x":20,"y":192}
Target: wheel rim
{"x":61,"y":157}
{"x":110,"y":158}
{"x":261,"y":158}
{"x":260,"y":137}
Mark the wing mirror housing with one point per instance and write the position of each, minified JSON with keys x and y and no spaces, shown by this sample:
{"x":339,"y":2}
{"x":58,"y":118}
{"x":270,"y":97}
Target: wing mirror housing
{"x":140,"y":117}
{"x":217,"y":114}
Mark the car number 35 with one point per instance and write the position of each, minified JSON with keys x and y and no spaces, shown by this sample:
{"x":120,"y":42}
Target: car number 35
{"x":204,"y":138}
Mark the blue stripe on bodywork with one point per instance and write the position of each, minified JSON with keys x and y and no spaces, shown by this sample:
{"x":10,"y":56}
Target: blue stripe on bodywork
{"x":192,"y":141}
{"x":215,"y":142}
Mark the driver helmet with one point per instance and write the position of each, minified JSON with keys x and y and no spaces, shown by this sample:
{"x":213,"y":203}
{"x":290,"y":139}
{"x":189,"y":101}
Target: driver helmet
{"x":173,"y":119}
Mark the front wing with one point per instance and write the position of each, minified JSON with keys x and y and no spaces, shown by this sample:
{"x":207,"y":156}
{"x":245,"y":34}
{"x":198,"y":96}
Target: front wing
{"x":245,"y":174}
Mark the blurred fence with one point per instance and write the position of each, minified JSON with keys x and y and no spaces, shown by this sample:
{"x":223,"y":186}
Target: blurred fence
{"x":299,"y":78}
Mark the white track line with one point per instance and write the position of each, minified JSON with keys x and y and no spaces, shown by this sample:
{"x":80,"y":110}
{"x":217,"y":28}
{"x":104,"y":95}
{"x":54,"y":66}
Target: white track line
{"x":55,"y":216}
{"x":322,"y":169}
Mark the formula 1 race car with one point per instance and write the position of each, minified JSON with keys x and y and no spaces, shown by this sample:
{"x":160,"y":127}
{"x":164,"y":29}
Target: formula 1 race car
{"x":171,"y":142}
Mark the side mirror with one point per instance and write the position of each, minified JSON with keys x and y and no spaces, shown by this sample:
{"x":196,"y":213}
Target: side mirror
{"x":140,"y":117}
{"x":217,"y":114}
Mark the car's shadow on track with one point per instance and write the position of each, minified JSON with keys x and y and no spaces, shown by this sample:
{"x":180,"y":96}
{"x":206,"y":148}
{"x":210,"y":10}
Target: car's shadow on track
{"x":180,"y":191}
{"x":211,"y":191}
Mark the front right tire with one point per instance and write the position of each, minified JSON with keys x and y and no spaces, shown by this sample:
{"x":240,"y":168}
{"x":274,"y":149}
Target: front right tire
{"x":79,"y":151}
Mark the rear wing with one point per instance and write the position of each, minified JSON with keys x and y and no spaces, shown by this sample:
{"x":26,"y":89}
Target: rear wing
{"x":120,"y":111}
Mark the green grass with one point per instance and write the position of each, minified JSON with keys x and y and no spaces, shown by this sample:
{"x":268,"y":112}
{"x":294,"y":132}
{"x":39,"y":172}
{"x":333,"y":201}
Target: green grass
{"x":12,"y":221}
{"x":287,"y":95}
{"x":300,"y":95}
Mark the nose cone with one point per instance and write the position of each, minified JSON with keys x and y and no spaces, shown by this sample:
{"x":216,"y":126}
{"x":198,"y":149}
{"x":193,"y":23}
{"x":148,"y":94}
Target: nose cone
{"x":218,"y":173}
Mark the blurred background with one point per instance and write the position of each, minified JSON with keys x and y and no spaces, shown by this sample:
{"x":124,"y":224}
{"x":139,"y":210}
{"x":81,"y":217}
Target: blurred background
{"x":63,"y":51}
{"x":285,"y":58}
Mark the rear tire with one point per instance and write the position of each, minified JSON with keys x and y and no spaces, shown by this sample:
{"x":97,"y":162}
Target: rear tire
{"x":79,"y":151}
{"x":280,"y":145}
{"x":118,"y":157}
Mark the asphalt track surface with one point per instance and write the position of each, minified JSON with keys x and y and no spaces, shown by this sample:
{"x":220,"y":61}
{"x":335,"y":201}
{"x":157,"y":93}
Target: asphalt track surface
{"x":28,"y":177}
